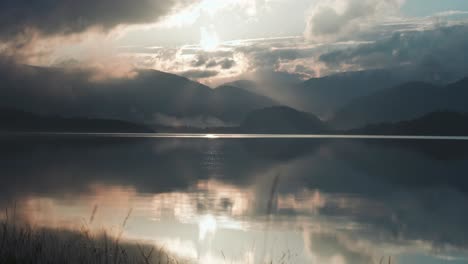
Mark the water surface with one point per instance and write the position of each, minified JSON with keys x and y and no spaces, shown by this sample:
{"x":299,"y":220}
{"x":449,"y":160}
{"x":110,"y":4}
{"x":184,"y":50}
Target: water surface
{"x":250,"y":198}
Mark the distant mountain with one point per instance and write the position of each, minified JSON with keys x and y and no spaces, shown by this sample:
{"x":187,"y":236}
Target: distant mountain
{"x":20,"y":121}
{"x":52,"y":91}
{"x":281,"y":119}
{"x":433,"y":124}
{"x":247,"y":85}
{"x":403,"y":102}
{"x":275,"y":85}
{"x":324,"y":96}
{"x":231,"y":102}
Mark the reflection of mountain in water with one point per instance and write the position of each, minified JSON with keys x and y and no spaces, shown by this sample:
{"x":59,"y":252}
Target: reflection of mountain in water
{"x":392,"y":192}
{"x":176,"y":163}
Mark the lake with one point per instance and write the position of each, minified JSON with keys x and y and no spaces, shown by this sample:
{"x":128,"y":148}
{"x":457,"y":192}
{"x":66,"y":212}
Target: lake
{"x":249,"y":198}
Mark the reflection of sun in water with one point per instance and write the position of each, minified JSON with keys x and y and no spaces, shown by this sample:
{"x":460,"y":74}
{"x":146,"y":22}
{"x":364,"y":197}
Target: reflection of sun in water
{"x":206,"y":226}
{"x":209,"y":39}
{"x":211,"y":136}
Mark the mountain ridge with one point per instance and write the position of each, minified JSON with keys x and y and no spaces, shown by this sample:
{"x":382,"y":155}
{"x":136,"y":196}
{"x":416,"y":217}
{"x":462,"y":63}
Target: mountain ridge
{"x":281,"y":119}
{"x":12,"y":120}
{"x":139,"y":99}
{"x":402,"y":102}
{"x":441,"y":123}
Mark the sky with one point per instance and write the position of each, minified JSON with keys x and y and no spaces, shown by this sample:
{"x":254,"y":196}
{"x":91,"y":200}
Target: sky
{"x":214,"y":41}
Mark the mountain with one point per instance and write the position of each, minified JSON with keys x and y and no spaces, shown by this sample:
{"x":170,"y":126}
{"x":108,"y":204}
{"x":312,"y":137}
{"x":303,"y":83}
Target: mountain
{"x":231,"y":102}
{"x":326,"y":95}
{"x":403,"y":102}
{"x":247,"y":85}
{"x":140,"y":98}
{"x":19,"y":121}
{"x":281,"y":119}
{"x":277,"y":92}
{"x":442,"y":123}
{"x":273,"y":84}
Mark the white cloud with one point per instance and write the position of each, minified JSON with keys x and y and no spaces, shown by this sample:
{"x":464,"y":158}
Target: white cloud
{"x":211,"y":8}
{"x":451,"y":13}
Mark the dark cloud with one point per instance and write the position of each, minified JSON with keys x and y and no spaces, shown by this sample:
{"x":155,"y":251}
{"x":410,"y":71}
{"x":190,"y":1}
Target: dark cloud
{"x":340,"y":20}
{"x":211,"y":61}
{"x":227,"y":64}
{"x":211,"y":64}
{"x":63,"y":17}
{"x":199,"y":61}
{"x":441,"y":50}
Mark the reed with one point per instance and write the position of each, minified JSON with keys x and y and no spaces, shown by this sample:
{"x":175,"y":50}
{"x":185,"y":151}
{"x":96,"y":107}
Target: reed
{"x":26,"y":244}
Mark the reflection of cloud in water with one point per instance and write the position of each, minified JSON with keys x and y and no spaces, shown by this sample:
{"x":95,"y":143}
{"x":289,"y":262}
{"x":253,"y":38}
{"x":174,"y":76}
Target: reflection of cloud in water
{"x":305,"y":201}
{"x":193,"y":223}
{"x":205,"y":197}
{"x":343,"y":202}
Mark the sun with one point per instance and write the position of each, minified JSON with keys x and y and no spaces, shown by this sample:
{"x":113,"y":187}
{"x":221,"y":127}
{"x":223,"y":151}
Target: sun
{"x":209,"y":40}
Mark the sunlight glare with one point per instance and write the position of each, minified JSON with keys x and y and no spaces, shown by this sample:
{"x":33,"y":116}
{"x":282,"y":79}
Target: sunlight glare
{"x":209,"y":39}
{"x":211,"y":136}
{"x":207,"y":226}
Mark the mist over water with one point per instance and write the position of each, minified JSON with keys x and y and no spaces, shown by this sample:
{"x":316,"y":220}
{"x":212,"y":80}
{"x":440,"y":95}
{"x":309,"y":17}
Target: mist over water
{"x":250,"y":198}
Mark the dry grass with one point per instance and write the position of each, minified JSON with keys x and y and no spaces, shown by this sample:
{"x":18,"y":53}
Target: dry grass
{"x":23,"y":244}
{"x":26,"y":244}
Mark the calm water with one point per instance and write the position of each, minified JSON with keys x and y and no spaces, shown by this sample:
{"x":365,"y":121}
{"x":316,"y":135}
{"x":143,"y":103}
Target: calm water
{"x":245,"y":200}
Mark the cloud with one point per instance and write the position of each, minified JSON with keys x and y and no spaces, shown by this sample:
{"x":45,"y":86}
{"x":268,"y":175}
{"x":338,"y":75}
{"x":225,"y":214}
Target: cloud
{"x":294,"y":56}
{"x":211,"y":9}
{"x":32,"y":32}
{"x":440,"y":50}
{"x":64,"y":17}
{"x":371,"y":23}
{"x":337,"y":20}
{"x":199,"y":61}
{"x":202,"y":60}
{"x":270,"y":59}
{"x":227,"y":64}
{"x":224,"y":64}
{"x":331,"y":247}
{"x":392,"y":43}
{"x":304,"y":70}
{"x":209,"y":67}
